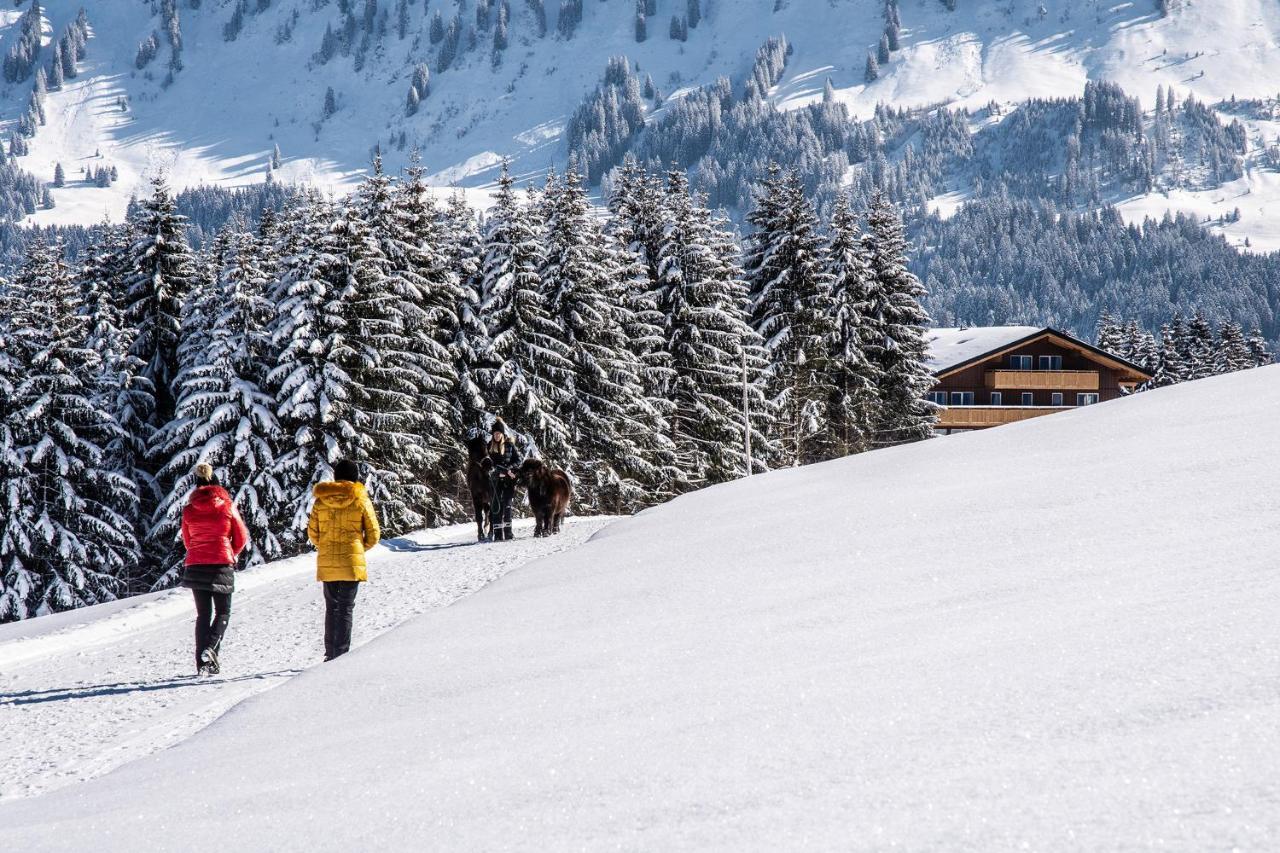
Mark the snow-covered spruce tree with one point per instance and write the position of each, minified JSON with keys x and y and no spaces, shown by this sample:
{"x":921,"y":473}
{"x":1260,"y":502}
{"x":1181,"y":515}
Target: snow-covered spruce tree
{"x":414,"y":297}
{"x":638,"y":216}
{"x":463,"y":244}
{"x":501,"y":36}
{"x":1180,"y":366}
{"x":766,"y":450}
{"x":1169,"y":368}
{"x":893,"y":35}
{"x":1128,"y":336}
{"x":312,"y":381}
{"x":121,"y":390}
{"x":202,"y":304}
{"x":693,"y":13}
{"x":1197,"y":346}
{"x":1259,"y":349}
{"x":284,"y":233}
{"x":385,"y":368}
{"x":615,"y":468}
{"x":629,"y":289}
{"x":17,"y":582}
{"x":854,"y":378}
{"x":70,"y":543}
{"x":638,"y":221}
{"x":200,"y":308}
{"x":528,"y":366}
{"x":895,"y":332}
{"x":791,"y":311}
{"x":1140,"y":346}
{"x":1109,"y":335}
{"x":454,"y":334}
{"x":269,"y":232}
{"x":707,"y":338}
{"x":462,"y":249}
{"x":1233,"y":350}
{"x":469,"y":346}
{"x":223,"y":415}
{"x":160,"y":273}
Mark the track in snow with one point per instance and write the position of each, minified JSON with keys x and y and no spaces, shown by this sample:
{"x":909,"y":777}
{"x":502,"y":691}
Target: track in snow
{"x":116,"y":684}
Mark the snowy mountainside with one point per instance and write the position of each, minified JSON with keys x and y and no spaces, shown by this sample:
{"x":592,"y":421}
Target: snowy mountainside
{"x":1058,"y":634}
{"x":255,"y":75}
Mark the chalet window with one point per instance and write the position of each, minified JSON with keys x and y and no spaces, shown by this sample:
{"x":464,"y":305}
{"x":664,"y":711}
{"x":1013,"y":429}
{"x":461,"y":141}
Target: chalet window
{"x":1055,"y":399}
{"x":1050,"y":362}
{"x":962,"y":398}
{"x":1028,"y":398}
{"x":1086,"y":399}
{"x":1020,"y":362}
{"x":997,"y":398}
{"x":939,"y":397}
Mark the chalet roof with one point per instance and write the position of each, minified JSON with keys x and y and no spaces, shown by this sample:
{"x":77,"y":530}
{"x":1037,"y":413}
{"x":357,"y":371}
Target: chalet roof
{"x":950,"y":349}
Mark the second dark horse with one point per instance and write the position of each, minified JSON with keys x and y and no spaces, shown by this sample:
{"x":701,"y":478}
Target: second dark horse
{"x":549,"y":493}
{"x":480,"y":484}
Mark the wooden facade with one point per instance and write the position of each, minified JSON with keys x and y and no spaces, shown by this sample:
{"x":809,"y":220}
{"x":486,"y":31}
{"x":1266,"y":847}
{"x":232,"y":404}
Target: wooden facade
{"x":1040,"y":373}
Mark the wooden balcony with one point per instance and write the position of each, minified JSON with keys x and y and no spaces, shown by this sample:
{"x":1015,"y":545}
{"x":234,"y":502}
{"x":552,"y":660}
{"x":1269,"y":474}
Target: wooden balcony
{"x":1042,"y":380}
{"x":981,"y":417}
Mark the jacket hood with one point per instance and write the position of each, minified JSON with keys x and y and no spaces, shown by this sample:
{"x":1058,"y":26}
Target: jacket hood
{"x":209,"y":498}
{"x":338,"y":493}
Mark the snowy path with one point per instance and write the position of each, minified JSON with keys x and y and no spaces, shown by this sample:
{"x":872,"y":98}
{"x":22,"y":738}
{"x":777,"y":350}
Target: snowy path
{"x":114,"y":683}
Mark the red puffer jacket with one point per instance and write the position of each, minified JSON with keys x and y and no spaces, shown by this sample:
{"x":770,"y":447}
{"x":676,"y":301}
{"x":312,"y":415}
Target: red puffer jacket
{"x":212,"y":528}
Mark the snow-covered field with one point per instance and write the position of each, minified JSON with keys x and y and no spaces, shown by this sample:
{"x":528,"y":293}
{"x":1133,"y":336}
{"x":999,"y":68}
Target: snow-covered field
{"x":83,"y":692}
{"x":1256,"y":196}
{"x":1057,"y":635}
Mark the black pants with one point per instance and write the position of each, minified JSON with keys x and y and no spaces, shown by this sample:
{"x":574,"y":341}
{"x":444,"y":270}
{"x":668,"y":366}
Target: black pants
{"x":339,"y":601}
{"x":504,"y":492}
{"x":213,"y":611}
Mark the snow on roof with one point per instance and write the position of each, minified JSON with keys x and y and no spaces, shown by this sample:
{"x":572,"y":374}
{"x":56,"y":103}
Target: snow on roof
{"x":949,"y":347}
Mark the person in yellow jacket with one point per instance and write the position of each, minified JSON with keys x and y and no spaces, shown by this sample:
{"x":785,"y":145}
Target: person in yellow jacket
{"x":343,"y":525}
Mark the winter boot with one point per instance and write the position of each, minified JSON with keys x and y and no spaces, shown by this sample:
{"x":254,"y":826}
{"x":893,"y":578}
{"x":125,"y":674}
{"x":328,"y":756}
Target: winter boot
{"x":209,"y":661}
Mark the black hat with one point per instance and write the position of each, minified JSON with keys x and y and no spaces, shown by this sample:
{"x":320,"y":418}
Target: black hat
{"x":498,"y":426}
{"x":345,"y":469}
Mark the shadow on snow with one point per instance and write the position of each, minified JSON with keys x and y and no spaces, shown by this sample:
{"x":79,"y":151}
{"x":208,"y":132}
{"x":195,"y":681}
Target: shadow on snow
{"x":87,"y":691}
{"x":401,"y":545}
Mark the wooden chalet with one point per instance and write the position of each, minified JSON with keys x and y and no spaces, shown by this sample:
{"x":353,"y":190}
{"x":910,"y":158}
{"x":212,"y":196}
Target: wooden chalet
{"x":989,"y":376}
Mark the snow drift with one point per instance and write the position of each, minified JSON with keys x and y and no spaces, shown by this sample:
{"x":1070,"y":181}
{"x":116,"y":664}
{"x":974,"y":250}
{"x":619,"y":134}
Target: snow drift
{"x":1059,"y":634}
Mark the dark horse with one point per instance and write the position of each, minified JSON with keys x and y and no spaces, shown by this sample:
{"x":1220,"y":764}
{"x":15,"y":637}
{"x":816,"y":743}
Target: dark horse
{"x":480,"y":484}
{"x":549,"y":493}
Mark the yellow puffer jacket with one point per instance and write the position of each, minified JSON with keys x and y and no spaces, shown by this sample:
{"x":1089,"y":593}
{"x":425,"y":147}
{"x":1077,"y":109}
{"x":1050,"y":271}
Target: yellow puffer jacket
{"x":343,"y":526}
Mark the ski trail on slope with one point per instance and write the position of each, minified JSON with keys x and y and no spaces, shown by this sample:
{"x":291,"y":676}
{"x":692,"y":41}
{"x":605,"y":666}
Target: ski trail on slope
{"x":78,"y":702}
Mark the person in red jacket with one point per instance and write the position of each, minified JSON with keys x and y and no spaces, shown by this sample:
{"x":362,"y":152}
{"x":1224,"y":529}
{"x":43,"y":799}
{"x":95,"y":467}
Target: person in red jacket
{"x":214,"y":535}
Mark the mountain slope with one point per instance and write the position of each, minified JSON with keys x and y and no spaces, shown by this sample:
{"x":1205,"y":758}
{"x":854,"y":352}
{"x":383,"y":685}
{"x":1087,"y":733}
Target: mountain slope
{"x":1054,"y":635}
{"x":219,"y":118}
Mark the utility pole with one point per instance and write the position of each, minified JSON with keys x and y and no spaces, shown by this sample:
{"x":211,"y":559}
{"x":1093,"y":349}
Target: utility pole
{"x":746,"y":413}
